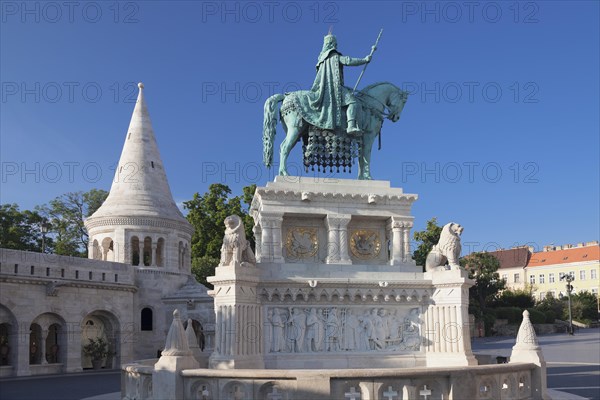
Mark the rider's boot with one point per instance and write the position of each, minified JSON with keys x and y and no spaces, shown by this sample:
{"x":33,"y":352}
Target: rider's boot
{"x":352,"y":126}
{"x":351,"y":115}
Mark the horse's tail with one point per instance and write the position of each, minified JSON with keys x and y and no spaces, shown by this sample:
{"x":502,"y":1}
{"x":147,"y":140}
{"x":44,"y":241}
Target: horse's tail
{"x":270,"y":127}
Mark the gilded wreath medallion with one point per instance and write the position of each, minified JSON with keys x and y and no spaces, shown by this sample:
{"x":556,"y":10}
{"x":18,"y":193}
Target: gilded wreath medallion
{"x":302,"y":242}
{"x":365,"y":244}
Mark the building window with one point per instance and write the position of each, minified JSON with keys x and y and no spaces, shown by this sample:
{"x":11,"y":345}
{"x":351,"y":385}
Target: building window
{"x":595,"y":291}
{"x":542,"y":296}
{"x":505,"y":277}
{"x":582,"y":275}
{"x":553,"y":293}
{"x":146,"y":322}
{"x":593,"y":274}
{"x":532,"y":279}
{"x":542,"y":278}
{"x":517,"y":278}
{"x":572,"y":273}
{"x":551,"y":278}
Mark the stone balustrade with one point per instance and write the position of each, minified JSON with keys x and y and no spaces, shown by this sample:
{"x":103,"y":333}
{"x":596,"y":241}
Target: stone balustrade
{"x":501,"y":381}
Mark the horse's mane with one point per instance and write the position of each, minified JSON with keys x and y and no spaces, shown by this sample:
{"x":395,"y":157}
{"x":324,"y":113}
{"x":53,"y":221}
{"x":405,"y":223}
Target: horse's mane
{"x":374,"y":85}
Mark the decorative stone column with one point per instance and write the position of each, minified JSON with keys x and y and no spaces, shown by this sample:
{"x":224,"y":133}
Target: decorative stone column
{"x":406,"y":240}
{"x":271,"y":246}
{"x":44,"y":336}
{"x":337,"y":239}
{"x":256,"y":229}
{"x":22,"y":351}
{"x":153,"y":254}
{"x":397,"y":241}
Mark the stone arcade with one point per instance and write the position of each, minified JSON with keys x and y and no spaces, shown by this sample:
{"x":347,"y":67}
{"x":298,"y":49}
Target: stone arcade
{"x":138,"y":271}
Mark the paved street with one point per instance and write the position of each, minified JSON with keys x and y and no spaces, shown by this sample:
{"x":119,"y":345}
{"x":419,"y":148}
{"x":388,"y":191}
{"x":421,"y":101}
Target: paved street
{"x":61,"y":387}
{"x":573,"y":367}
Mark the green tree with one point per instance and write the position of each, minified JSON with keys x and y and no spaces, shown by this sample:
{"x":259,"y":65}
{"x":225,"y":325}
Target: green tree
{"x":584,"y":306}
{"x":426,"y":239}
{"x":21,"y":230}
{"x":483,"y":267}
{"x":522,"y":299}
{"x":207,"y":213}
{"x":66,"y":214}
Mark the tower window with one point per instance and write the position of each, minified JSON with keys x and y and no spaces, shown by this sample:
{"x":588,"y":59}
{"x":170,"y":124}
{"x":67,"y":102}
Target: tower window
{"x":146,"y":319}
{"x":152,"y":163}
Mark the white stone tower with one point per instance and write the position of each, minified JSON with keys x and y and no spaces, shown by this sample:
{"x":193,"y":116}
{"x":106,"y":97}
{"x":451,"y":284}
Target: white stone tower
{"x":139,"y":223}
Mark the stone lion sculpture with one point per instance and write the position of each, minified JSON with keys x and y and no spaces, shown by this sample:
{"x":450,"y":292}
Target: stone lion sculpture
{"x":236,"y":249}
{"x":447,"y":249}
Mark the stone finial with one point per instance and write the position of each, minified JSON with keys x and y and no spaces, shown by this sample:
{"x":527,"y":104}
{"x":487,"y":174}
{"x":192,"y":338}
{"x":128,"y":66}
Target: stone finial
{"x":141,"y":85}
{"x":527,"y":350}
{"x":526,"y":337}
{"x":191,"y":335}
{"x":177,"y":342}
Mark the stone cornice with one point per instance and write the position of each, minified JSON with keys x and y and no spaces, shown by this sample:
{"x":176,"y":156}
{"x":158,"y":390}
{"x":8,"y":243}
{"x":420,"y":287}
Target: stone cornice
{"x":267,"y":194}
{"x":154,"y":222}
{"x":68,"y":283}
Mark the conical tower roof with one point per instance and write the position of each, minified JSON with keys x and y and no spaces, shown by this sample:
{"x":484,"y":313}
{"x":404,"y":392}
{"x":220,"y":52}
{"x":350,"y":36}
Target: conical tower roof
{"x":140,"y":187}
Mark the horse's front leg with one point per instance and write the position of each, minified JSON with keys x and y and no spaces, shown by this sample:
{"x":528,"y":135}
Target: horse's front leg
{"x":364,"y":161}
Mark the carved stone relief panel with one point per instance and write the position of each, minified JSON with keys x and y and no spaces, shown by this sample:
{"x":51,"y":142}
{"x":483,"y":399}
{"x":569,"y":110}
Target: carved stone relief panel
{"x":322,"y":329}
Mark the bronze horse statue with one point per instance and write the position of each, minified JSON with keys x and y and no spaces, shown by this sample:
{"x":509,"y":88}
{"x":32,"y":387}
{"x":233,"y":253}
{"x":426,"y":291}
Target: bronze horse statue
{"x":377,"y":101}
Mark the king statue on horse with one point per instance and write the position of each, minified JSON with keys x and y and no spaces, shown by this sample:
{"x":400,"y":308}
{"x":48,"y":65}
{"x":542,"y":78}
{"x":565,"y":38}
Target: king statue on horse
{"x":316,"y":116}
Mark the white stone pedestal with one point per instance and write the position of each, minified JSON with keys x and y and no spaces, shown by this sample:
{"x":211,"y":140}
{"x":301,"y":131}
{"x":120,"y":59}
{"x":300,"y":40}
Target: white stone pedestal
{"x":447,"y":337}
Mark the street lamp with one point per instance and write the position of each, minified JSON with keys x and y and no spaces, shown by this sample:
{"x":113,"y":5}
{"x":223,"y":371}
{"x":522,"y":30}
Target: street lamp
{"x":44,"y":230}
{"x":569,"y":278}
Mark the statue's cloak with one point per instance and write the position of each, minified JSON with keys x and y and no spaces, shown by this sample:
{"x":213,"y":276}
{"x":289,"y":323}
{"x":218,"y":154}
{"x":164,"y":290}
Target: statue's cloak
{"x":321,"y":106}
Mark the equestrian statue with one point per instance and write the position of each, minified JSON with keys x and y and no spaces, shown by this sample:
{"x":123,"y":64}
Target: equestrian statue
{"x":335,"y":123}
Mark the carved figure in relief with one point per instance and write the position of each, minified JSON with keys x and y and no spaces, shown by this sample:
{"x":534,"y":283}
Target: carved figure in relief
{"x":351,"y":331}
{"x":411,"y":335}
{"x":394,"y":323}
{"x":378,"y":336}
{"x":332,"y":330}
{"x":447,"y":250}
{"x":366,"y":331}
{"x":314,"y":331}
{"x":236,"y":249}
{"x":296,"y":330}
{"x":278,"y":326}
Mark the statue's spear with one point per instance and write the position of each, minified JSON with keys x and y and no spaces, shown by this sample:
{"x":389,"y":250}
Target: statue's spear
{"x":373,"y":48}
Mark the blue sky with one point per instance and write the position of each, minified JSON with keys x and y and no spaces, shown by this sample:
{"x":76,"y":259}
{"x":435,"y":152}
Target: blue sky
{"x":500,"y":133}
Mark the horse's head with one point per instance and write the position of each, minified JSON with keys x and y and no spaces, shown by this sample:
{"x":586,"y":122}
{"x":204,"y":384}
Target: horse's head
{"x":395,"y":103}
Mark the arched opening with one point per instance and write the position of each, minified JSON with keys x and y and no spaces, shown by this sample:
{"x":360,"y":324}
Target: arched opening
{"x":147,"y":251}
{"x":5,"y":333}
{"x":184,"y":263}
{"x":8,"y":337}
{"x":135,"y":250}
{"x":102,"y":325}
{"x":35,"y":339}
{"x":107,"y":249}
{"x":160,"y":248}
{"x":146,"y":319}
{"x":180,"y":256}
{"x":199,"y":331}
{"x":96,"y":253}
{"x":52,"y":344}
{"x":47,"y":341}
